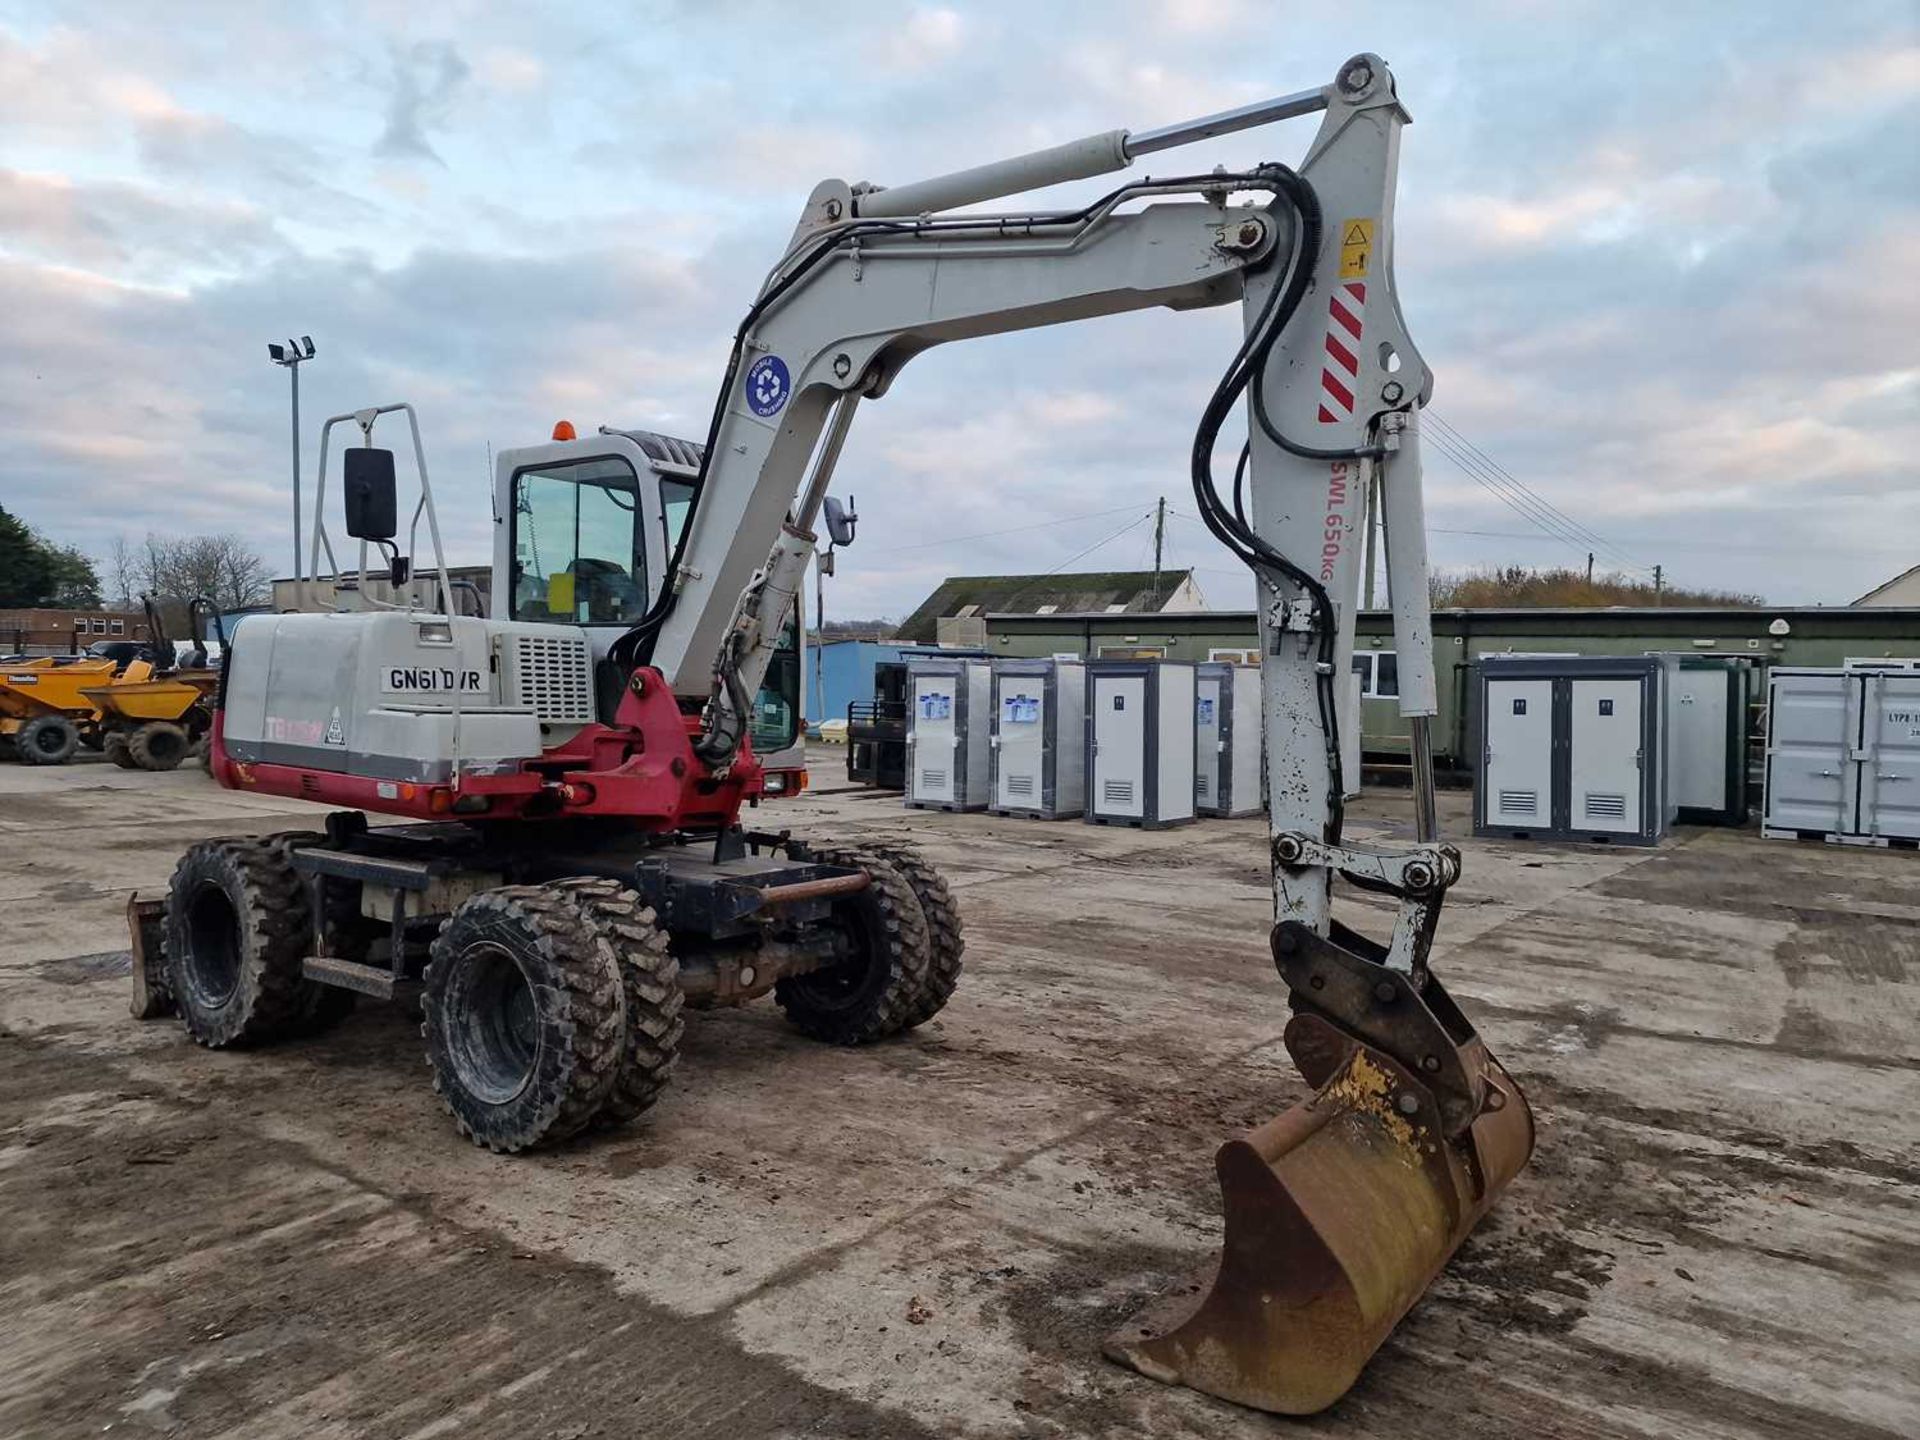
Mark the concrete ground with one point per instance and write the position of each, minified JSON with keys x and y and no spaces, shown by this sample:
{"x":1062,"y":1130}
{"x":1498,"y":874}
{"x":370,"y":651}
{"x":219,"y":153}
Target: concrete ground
{"x":1719,"y":1235}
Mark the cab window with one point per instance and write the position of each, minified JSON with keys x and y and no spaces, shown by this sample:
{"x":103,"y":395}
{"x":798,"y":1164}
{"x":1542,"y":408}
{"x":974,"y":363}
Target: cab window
{"x":579,"y":546}
{"x":776,"y":709}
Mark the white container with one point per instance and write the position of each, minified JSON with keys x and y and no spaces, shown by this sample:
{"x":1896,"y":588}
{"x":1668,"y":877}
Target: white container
{"x":949,"y":725}
{"x":1140,"y":742}
{"x":1226,"y":727}
{"x":1843,"y":756}
{"x":1572,"y":749}
{"x":1039,"y":738}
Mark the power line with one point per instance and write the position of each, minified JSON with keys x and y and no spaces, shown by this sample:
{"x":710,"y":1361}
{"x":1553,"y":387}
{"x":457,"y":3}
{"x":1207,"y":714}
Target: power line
{"x":1012,"y":530}
{"x":1137,"y":520}
{"x":1516,"y":493}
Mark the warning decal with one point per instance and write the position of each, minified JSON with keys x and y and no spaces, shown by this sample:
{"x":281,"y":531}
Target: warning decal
{"x":1340,"y":370}
{"x":1356,"y":248}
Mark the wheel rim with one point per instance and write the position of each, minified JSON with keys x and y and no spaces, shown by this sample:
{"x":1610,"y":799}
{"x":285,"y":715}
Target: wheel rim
{"x":165,"y":746}
{"x":492,"y":1024}
{"x":213,"y":946}
{"x":49,"y":740}
{"x":848,"y":983}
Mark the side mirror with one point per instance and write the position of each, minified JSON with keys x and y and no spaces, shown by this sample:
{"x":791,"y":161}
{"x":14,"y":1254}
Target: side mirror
{"x":840,"y":521}
{"x":372,"y":512}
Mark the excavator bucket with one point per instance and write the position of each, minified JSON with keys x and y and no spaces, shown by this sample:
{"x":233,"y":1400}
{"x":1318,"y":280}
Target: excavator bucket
{"x":1340,"y":1211}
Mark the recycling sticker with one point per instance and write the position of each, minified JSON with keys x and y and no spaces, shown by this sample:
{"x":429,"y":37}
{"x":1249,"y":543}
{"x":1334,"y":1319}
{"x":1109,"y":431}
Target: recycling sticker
{"x":768,"y":386}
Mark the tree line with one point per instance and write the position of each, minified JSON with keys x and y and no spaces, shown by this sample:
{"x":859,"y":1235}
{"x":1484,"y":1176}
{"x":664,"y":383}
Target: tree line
{"x":1515,"y":587}
{"x":37,"y":572}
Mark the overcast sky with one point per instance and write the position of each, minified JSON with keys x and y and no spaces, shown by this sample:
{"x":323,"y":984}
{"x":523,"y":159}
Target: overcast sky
{"x":1664,"y":259}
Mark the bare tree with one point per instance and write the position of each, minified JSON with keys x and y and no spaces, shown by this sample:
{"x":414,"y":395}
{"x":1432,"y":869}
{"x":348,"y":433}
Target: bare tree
{"x":122,"y":567}
{"x":224,"y":568}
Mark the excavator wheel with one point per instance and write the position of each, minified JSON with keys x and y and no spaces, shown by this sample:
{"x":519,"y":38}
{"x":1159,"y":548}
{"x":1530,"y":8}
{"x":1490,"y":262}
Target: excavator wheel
{"x":650,"y":982}
{"x":236,"y":930}
{"x":525,"y":1019}
{"x":871,"y":992}
{"x":158,"y":745}
{"x":114,"y":746}
{"x":321,"y":1006}
{"x":46,"y":740}
{"x":946,"y":938}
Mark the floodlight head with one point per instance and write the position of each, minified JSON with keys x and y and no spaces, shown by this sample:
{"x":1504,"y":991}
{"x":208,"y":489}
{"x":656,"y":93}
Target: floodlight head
{"x":306,"y":342}
{"x":277,"y":354}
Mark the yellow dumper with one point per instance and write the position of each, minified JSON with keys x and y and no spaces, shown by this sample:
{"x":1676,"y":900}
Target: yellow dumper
{"x":45,"y":709}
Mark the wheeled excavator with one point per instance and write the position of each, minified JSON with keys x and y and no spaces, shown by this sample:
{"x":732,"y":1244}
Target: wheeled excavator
{"x":570,"y":773}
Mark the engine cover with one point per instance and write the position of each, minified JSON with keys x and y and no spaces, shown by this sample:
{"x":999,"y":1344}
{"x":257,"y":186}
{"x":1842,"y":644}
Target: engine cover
{"x":402,"y":696}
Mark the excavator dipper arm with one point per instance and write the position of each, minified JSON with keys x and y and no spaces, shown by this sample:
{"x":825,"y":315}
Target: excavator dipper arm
{"x":1340,"y":1211}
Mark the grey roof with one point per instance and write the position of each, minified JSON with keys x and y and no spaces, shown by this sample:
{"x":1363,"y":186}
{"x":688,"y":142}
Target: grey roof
{"x":1027,"y":594}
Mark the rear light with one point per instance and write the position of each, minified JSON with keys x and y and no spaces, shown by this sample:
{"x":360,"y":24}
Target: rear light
{"x":472,"y":805}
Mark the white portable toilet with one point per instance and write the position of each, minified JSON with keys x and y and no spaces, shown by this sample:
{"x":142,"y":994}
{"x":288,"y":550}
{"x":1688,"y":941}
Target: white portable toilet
{"x":1226,"y":729}
{"x":1140,"y":742}
{"x":1039,"y":738}
{"x":1572,"y":749}
{"x":949,"y":722}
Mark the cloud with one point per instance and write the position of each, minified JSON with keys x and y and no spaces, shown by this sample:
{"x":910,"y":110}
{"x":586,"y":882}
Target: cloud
{"x":426,"y":78}
{"x":1665,"y":264}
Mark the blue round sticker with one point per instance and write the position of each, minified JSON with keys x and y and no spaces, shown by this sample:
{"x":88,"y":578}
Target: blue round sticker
{"x":768,"y":385}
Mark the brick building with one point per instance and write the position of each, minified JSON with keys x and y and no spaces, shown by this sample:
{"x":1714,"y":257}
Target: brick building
{"x":65,"y":632}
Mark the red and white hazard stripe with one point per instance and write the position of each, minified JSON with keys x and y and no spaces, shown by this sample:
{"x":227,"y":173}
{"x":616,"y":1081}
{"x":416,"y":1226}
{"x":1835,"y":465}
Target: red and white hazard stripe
{"x":1340,"y":371}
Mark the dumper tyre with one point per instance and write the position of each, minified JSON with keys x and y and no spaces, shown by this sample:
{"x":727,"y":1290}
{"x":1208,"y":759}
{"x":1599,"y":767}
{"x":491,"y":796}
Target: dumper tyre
{"x":236,"y":932}
{"x":46,"y":740}
{"x":650,"y":985}
{"x":114,"y":747}
{"x":946,"y":938}
{"x":158,"y":745}
{"x":869,"y":993}
{"x":524,"y":1017}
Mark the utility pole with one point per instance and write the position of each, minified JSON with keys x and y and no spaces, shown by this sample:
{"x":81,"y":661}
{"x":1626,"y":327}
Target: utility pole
{"x":1159,"y":540}
{"x":291,"y":355}
{"x":1658,"y":583}
{"x":1589,"y":567}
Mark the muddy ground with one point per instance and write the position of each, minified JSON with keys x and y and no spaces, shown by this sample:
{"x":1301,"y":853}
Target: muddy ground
{"x":1719,"y":1235}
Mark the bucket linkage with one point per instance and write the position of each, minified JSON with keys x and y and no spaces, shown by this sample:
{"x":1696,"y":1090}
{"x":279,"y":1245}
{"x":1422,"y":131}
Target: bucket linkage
{"x":1340,"y":1211}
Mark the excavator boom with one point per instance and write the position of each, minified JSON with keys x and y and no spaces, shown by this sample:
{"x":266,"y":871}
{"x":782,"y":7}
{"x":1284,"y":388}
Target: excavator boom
{"x":1340,"y":1211}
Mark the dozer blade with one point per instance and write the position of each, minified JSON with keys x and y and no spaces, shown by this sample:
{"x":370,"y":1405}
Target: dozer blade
{"x":1339,"y":1213}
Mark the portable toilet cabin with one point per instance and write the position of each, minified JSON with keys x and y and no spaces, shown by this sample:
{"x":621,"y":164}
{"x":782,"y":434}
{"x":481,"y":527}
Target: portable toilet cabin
{"x":1226,"y":729}
{"x":1140,"y":742}
{"x":1039,"y":738}
{"x":949,"y":722}
{"x":1571,"y":748}
{"x":1707,"y":700}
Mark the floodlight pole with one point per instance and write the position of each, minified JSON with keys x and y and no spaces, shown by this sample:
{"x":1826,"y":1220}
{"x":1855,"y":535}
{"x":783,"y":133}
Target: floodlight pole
{"x":290,"y":355}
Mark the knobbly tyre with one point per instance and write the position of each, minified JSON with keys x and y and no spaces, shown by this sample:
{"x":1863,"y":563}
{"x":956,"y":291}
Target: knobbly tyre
{"x":573,"y":768}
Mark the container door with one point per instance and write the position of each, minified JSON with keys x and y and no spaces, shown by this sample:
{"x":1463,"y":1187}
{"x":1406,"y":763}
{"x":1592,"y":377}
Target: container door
{"x":1209,"y":743}
{"x":933,"y":739}
{"x":1516,"y":787}
{"x":1697,"y":739}
{"x":1605,"y":740}
{"x":1023,"y":722}
{"x":1809,"y":781}
{"x":1119,"y":746}
{"x":1890,"y":763}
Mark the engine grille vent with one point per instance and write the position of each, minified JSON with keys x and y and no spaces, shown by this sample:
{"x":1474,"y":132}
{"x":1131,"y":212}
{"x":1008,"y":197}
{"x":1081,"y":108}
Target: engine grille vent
{"x":933,"y":779}
{"x":1606,"y":807}
{"x":1201,"y":785}
{"x":1020,"y":784}
{"x":1519,"y":802}
{"x":1117,"y":792}
{"x":553,"y":677}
